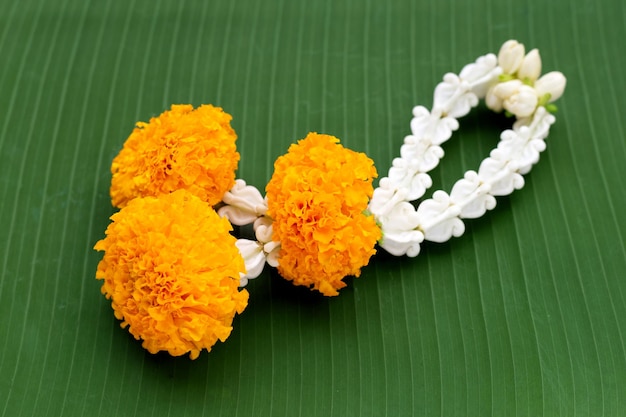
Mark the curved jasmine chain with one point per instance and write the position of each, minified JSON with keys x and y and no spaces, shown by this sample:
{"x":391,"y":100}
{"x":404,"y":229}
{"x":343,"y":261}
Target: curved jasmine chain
{"x":509,"y":83}
{"x":500,"y":174}
{"x":408,"y":177}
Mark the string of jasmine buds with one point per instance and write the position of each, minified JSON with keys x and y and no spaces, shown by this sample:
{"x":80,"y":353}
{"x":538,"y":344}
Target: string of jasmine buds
{"x":508,"y":82}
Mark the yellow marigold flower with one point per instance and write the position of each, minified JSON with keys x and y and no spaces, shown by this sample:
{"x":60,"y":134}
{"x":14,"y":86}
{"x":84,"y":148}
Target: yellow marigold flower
{"x":317,"y":197}
{"x":183,"y":148}
{"x":171,"y":270}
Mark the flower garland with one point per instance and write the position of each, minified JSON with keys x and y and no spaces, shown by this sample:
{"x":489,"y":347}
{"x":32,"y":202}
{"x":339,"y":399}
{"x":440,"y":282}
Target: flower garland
{"x":171,"y":267}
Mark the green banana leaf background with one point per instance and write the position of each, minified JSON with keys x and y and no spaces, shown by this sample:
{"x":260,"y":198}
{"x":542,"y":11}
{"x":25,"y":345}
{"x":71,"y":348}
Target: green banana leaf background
{"x":524,"y":315}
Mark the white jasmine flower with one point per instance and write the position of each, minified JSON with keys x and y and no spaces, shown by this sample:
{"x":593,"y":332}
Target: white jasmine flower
{"x":244,"y":204}
{"x":492,"y":101}
{"x":506,"y":89}
{"x":500,"y":92}
{"x":552,"y":83}
{"x":254,"y":259}
{"x":511,"y":56}
{"x":530,"y":69}
{"x":522,"y":103}
{"x":481,"y":74}
{"x":257,"y":252}
{"x":400,"y":243}
{"x":453,"y":97}
{"x":516,"y":98}
{"x":434,"y":127}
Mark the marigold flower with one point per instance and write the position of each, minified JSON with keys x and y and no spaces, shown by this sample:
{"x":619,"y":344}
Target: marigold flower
{"x":182,"y":148}
{"x":171,"y":270}
{"x":317,"y":197}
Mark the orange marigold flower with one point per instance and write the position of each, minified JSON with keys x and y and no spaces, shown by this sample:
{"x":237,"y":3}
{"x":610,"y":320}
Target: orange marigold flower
{"x":183,"y":148}
{"x":171,"y":270}
{"x":318,"y":197}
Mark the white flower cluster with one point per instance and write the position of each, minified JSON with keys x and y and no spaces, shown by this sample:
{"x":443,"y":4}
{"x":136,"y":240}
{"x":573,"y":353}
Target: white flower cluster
{"x":245,"y":205}
{"x":520,"y":90}
{"x":509,"y":82}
